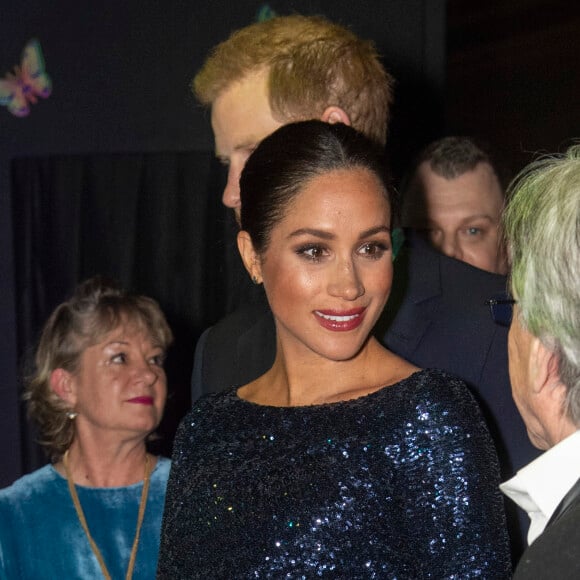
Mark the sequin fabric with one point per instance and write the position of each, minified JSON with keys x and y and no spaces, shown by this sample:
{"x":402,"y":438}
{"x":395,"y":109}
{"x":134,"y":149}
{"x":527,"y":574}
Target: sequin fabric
{"x":401,"y":483}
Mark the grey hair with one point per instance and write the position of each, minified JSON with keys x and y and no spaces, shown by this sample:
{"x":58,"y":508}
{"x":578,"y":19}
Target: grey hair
{"x":542,"y":228}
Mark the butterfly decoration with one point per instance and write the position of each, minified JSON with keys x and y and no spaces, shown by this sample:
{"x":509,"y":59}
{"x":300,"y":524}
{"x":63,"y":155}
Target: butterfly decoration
{"x":265,"y":13}
{"x":22,"y":87}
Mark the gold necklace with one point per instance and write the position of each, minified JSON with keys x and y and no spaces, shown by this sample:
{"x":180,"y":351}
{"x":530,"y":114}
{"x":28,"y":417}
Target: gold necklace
{"x":82,"y":519}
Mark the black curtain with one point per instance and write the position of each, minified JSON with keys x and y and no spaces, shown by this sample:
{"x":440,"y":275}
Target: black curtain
{"x":153,"y":221}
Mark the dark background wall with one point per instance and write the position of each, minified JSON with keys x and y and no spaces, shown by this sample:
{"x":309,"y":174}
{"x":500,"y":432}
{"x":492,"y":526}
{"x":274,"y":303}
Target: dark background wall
{"x":504,"y":71}
{"x":513,"y":75}
{"x":121,"y":72}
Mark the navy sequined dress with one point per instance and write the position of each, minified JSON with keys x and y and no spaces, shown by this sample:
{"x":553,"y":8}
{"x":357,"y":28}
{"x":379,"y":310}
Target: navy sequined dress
{"x":401,"y":483}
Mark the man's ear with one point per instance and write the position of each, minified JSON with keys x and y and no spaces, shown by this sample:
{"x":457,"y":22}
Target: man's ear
{"x":249,"y":256}
{"x":545,"y":372}
{"x":335,"y":114}
{"x":62,"y":385}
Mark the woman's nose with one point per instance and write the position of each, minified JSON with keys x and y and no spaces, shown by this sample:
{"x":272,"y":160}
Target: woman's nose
{"x":146,"y":373}
{"x":345,"y":282}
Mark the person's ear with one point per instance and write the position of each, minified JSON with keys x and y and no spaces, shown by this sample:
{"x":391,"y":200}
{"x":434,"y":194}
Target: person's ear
{"x":62,"y":385}
{"x":249,"y":256}
{"x":545,"y":373}
{"x":335,"y":114}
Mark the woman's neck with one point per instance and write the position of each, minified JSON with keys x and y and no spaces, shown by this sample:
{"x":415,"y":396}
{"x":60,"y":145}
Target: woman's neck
{"x":297,"y":380}
{"x":105,"y":465}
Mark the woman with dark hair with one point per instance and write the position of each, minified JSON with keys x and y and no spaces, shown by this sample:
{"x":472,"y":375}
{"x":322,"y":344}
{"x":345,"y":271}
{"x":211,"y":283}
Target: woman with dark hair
{"x":97,"y":393}
{"x":343,"y":460}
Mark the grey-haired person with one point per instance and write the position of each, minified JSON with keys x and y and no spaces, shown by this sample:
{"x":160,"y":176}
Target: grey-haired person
{"x":542,"y":228}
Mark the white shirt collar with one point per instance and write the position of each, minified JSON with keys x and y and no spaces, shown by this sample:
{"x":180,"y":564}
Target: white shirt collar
{"x":541,"y":485}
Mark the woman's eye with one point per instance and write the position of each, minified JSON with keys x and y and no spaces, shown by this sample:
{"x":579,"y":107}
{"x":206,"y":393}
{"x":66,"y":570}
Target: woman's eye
{"x":373,"y":249}
{"x":313,"y":253}
{"x":158,"y":360}
{"x":119,"y":358}
{"x":474,"y":231}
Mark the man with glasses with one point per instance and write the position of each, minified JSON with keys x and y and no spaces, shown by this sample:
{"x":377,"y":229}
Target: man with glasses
{"x":542,"y":225}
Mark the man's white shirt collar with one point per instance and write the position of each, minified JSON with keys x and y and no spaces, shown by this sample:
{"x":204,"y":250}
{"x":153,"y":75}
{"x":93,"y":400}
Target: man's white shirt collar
{"x":541,"y":485}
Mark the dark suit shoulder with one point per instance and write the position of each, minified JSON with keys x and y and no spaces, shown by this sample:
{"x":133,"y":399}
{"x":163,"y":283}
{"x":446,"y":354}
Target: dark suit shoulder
{"x":238,"y":349}
{"x":241,"y":318}
{"x":556,"y":553}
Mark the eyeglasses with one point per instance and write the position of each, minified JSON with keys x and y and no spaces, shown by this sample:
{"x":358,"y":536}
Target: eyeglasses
{"x":501,"y":307}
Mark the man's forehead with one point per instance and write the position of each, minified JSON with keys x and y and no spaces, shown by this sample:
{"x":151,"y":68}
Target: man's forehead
{"x":240,"y":144}
{"x":241,"y":118}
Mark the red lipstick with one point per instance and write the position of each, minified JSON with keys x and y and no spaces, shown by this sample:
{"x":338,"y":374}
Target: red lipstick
{"x":340,"y":320}
{"x":142,"y":400}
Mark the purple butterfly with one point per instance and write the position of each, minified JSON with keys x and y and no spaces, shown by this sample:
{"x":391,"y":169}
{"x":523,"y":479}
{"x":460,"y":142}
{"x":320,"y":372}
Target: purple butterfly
{"x":29,"y":81}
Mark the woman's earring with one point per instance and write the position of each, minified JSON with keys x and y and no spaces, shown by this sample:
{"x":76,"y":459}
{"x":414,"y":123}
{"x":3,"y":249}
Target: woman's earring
{"x":71,"y":415}
{"x":255,"y":280}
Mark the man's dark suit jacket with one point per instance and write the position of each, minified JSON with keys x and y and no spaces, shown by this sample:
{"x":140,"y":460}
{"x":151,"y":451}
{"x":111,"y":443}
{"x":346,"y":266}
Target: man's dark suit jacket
{"x":436,"y":317}
{"x":555,"y":555}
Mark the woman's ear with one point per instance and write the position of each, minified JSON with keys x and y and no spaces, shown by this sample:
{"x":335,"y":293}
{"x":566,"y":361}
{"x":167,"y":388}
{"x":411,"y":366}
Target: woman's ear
{"x":249,"y":257}
{"x":335,"y":114}
{"x":62,"y":385}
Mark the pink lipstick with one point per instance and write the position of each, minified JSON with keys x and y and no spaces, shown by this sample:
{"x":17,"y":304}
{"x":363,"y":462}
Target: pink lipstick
{"x":142,"y":400}
{"x":340,"y":320}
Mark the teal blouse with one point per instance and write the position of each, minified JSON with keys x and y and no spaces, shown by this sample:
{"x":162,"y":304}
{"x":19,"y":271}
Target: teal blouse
{"x":41,"y":536}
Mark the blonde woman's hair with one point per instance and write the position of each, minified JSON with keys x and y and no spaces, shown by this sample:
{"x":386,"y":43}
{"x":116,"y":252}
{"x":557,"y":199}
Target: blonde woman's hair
{"x":96,"y":308}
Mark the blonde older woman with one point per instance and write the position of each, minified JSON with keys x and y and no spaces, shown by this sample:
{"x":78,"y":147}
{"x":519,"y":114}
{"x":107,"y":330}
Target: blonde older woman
{"x":98,"y":391}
